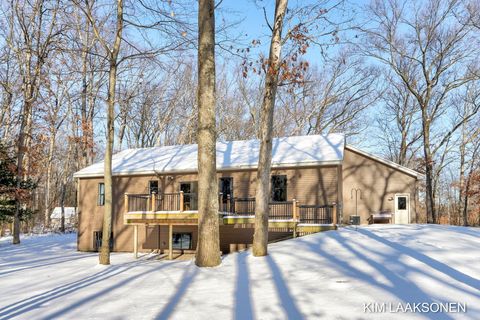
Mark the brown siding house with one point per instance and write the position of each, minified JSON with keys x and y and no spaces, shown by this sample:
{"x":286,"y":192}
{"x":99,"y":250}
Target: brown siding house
{"x":315,"y":180}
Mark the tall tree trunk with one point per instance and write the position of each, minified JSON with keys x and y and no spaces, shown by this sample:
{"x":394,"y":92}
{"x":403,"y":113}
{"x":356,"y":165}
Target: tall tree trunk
{"x":104,"y":256}
{"x":28,"y":144}
{"x":83,"y":109}
{"x":262,"y":197}
{"x":48,"y":183}
{"x":20,"y":174}
{"x":429,"y":192}
{"x":208,"y":245}
{"x":63,"y":192}
{"x":462,"y":212}
{"x":62,"y":205}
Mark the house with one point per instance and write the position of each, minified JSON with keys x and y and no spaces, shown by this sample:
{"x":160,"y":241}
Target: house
{"x":317,"y":182}
{"x":56,"y":216}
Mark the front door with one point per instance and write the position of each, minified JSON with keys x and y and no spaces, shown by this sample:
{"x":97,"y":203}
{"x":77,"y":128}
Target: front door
{"x":402,"y":208}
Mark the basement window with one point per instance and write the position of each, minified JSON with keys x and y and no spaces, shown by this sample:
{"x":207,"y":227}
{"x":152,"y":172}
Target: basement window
{"x":182,"y":240}
{"x":97,"y":240}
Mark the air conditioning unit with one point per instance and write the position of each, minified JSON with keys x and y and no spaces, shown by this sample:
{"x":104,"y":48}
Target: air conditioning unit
{"x":355,"y":220}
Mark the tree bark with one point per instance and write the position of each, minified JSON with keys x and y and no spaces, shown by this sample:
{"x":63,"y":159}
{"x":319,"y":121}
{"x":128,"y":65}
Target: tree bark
{"x":208,"y":245}
{"x":19,"y":173}
{"x":262,"y":197}
{"x":62,"y":206}
{"x":429,"y":192}
{"x":462,"y":212}
{"x":48,"y":183}
{"x":104,"y":255}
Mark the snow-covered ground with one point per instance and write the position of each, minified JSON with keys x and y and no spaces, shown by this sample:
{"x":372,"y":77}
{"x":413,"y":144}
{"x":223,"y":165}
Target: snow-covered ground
{"x":327,"y":275}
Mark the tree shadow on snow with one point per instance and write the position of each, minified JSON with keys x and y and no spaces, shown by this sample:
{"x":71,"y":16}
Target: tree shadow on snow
{"x":38,"y":300}
{"x":27,"y":265}
{"x":400,"y":287}
{"x":435,"y":264}
{"x":186,"y":280}
{"x":287,"y":301}
{"x":243,"y":299}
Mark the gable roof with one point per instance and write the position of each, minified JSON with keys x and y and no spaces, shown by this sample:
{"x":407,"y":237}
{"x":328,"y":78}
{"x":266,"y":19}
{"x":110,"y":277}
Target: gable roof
{"x":293,"y":151}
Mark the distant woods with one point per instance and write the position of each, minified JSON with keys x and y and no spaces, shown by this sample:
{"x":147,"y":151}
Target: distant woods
{"x":399,"y":77}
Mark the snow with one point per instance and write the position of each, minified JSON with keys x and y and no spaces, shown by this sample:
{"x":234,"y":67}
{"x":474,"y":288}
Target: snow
{"x":286,"y":151}
{"x":326,"y":275}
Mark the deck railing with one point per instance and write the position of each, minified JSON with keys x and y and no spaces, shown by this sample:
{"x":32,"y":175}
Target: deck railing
{"x":281,"y":210}
{"x":138,"y":202}
{"x":315,"y":214}
{"x":167,"y":202}
{"x":239,"y":206}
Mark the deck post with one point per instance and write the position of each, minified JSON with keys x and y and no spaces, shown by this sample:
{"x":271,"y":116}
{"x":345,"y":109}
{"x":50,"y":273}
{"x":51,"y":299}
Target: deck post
{"x":295,"y":217}
{"x":126,"y":202}
{"x":334,"y":214}
{"x":170,"y":242}
{"x":181,"y":201}
{"x":228,"y":202}
{"x":154,"y":201}
{"x":294,"y":209}
{"x":135,"y":241}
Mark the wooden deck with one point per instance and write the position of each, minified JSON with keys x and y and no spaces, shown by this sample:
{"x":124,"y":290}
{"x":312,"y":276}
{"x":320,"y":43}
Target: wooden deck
{"x":179,"y":209}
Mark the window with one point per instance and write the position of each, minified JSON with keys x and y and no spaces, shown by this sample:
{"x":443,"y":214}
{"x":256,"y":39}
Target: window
{"x":190,"y":190}
{"x":402,"y":203}
{"x":279,"y":188}
{"x":182,"y":241}
{"x":153,"y":186}
{"x":226,"y":188}
{"x":101,"y":194}
{"x":97,"y":240}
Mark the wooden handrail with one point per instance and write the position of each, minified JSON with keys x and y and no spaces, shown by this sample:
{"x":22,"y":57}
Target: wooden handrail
{"x":334,"y":214}
{"x":126,"y":202}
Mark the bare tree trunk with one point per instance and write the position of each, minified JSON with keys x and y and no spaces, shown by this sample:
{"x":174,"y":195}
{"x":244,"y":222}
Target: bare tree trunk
{"x":429,"y":188}
{"x":104,"y":256}
{"x":112,"y":57}
{"x":83,"y":108}
{"x":62,"y":205}
{"x":208,"y":246}
{"x":20,"y":173}
{"x":262,"y":197}
{"x":66,"y":174}
{"x":461,"y":204}
{"x":48,"y":183}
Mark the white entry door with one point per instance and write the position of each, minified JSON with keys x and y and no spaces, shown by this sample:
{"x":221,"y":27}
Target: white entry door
{"x":402,"y":208}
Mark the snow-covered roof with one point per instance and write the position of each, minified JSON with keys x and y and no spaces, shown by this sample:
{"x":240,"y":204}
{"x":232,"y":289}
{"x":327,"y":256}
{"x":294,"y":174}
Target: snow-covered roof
{"x":57,"y":212}
{"x":310,"y":150}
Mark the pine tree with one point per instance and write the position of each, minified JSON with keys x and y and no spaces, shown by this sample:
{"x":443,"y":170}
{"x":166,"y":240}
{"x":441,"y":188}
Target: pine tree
{"x":8,"y":188}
